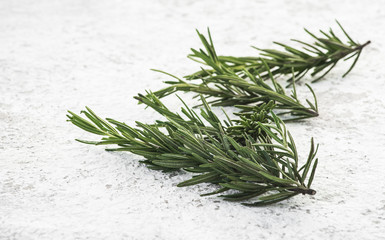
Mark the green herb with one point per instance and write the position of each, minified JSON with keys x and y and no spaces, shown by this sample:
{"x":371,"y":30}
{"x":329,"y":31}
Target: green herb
{"x":319,"y":57}
{"x":240,"y":81}
{"x":229,"y":89}
{"x":254,"y":156}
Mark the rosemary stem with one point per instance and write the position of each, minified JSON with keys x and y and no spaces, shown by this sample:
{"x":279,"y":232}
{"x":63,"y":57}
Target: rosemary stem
{"x":304,"y":191}
{"x":362,"y":45}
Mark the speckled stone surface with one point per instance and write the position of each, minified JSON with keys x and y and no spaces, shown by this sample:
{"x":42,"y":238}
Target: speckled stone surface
{"x":58,"y":55}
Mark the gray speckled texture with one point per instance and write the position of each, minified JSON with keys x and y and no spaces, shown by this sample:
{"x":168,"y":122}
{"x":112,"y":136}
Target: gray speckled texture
{"x":58,"y":55}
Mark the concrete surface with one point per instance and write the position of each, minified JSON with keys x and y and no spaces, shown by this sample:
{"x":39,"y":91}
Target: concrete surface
{"x":58,"y":55}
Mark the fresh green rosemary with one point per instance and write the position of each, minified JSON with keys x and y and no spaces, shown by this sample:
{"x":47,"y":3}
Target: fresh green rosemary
{"x":253,"y":156}
{"x":232,"y":90}
{"x":324,"y":54}
{"x":240,"y":81}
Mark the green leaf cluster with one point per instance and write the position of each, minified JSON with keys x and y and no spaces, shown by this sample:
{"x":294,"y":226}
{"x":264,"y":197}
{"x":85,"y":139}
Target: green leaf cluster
{"x":259,"y":162}
{"x":318,"y":57}
{"x":252,"y":156}
{"x":241,"y":81}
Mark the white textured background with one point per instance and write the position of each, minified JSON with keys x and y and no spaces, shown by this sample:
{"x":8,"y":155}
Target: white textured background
{"x":59,"y":55}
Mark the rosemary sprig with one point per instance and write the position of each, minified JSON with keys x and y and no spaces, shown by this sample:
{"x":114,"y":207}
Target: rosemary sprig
{"x":229,"y":89}
{"x":263,"y":164}
{"x":240,"y":81}
{"x":320,"y":58}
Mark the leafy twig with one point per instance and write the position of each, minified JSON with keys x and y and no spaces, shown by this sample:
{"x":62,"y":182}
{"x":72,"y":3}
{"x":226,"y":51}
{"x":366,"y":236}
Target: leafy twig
{"x":320,"y":58}
{"x":263,"y":164}
{"x":229,"y":89}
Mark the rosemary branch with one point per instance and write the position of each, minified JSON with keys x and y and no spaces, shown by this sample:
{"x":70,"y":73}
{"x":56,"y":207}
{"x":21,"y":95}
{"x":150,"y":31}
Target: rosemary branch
{"x":241,"y":81}
{"x":229,"y":89}
{"x":321,"y":57}
{"x":253,"y":156}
